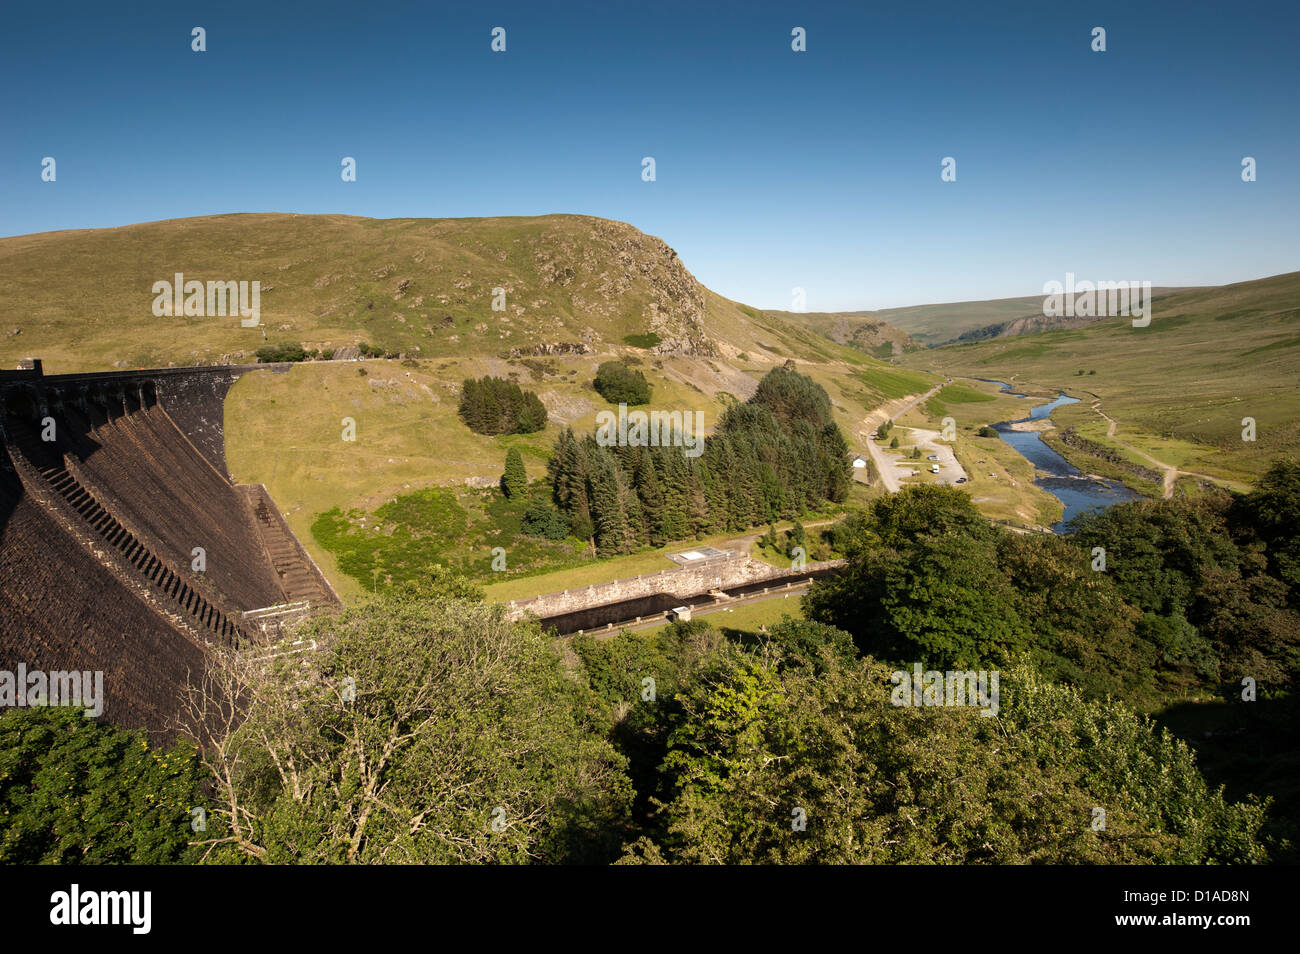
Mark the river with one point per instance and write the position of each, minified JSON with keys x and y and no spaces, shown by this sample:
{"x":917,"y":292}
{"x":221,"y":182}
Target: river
{"x":1075,"y":489}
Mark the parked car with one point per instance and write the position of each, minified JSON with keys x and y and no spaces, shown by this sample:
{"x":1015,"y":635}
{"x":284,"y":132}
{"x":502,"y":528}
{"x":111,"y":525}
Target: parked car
{"x":933,"y":457}
{"x":961,"y":480}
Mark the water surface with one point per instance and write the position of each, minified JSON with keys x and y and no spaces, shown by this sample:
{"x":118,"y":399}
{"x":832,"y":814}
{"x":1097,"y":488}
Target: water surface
{"x":1075,"y":489}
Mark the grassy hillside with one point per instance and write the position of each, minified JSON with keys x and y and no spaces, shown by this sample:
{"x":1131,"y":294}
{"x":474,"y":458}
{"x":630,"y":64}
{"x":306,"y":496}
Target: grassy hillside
{"x":939,"y":323}
{"x":1178,"y":388}
{"x":83,"y":300}
{"x":868,"y":334}
{"x":579,"y":291}
{"x":285,"y":430}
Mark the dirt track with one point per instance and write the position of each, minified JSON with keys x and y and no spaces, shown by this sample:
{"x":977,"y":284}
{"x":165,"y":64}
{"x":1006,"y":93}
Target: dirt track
{"x":1171,"y":472}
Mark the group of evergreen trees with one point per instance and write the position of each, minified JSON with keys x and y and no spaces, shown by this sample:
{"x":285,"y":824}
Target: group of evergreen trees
{"x":775,"y":456}
{"x":619,"y":384}
{"x":497,"y":406}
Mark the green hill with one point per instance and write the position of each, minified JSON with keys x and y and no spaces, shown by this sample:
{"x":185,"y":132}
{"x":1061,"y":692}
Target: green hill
{"x":83,"y":300}
{"x":578,"y":291}
{"x":947,"y":321}
{"x":868,"y":334}
{"x":1181,"y":386}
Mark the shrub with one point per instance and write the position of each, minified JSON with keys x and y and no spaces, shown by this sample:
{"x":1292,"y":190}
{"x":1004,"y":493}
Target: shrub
{"x":543,"y":520}
{"x":619,"y":384}
{"x":283,"y":351}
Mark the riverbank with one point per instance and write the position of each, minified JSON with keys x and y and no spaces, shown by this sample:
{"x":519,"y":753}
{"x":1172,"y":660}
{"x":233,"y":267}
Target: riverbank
{"x":1078,"y":490}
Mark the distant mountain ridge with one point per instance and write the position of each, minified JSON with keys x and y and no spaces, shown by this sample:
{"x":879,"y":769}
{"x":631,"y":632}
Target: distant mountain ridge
{"x":861,"y":331}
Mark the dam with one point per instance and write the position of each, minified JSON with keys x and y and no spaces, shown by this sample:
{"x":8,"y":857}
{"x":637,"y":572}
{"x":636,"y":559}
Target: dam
{"x":125,"y":546}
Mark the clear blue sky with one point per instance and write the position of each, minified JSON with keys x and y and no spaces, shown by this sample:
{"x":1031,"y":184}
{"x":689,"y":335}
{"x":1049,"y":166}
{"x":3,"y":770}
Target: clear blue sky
{"x":775,"y":169}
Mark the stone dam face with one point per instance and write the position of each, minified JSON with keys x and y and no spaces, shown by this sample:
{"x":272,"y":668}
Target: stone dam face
{"x":124,"y":546}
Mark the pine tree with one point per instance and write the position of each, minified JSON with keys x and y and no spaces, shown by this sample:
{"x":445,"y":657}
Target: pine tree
{"x":514,"y":482}
{"x":676,"y":472}
{"x":652,"y":499}
{"x":607,"y":516}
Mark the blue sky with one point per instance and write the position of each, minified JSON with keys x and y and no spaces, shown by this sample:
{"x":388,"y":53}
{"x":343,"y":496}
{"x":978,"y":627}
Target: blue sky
{"x":775,"y":169}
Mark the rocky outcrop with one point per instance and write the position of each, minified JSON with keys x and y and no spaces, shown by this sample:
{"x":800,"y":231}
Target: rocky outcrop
{"x":617,"y":267}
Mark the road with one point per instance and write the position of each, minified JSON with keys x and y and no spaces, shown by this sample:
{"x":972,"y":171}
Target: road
{"x":886,"y":465}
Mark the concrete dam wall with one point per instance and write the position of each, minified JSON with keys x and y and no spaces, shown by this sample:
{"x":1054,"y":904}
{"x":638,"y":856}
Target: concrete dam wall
{"x":124,"y":546}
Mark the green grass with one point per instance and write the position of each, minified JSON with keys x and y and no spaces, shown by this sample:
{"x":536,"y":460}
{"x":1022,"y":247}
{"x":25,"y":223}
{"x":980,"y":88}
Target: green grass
{"x":405,"y":539}
{"x":890,"y":383}
{"x":597,"y":571}
{"x":1180,"y":387}
{"x":648,"y":340}
{"x":82,"y":300}
{"x":938,"y":406}
{"x":749,"y":617}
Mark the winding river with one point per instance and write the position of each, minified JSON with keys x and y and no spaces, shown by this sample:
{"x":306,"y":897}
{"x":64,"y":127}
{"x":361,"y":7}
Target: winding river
{"x":1075,"y":489}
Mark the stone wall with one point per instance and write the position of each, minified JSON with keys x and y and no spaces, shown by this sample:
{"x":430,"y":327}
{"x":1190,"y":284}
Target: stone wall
{"x":682,"y":583}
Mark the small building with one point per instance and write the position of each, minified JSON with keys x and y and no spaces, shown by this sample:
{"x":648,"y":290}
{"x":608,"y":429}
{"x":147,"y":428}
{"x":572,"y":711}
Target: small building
{"x":680,"y":614}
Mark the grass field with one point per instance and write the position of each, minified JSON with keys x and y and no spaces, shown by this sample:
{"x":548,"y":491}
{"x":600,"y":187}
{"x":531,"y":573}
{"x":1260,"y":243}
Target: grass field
{"x":952,"y":394}
{"x":749,"y":617}
{"x":1181,"y":386}
{"x":286,"y":431}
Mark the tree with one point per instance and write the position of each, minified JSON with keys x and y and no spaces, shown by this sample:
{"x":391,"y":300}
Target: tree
{"x":798,"y":535}
{"x":514,"y":482}
{"x":758,"y":466}
{"x":496,"y":406}
{"x":416,"y":733}
{"x":1271,"y":513}
{"x":619,"y":384}
{"x":772,"y":760}
{"x":75,"y":791}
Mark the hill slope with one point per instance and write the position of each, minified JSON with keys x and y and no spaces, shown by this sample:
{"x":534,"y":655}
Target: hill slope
{"x":83,"y":300}
{"x":868,"y":334}
{"x":579,"y":291}
{"x":949,"y":321}
{"x":1180,"y":387}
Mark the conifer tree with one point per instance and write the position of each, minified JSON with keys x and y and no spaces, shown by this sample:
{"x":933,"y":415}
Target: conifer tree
{"x":514,"y":482}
